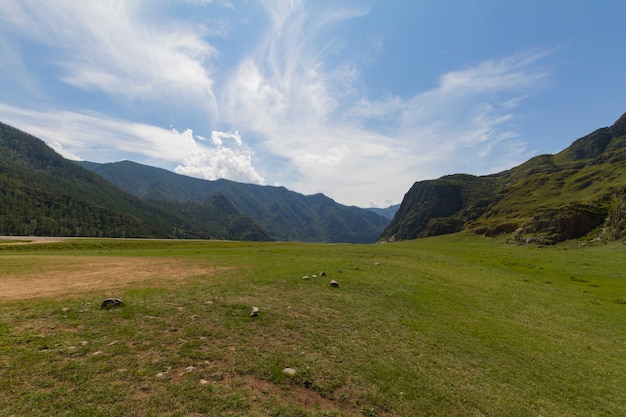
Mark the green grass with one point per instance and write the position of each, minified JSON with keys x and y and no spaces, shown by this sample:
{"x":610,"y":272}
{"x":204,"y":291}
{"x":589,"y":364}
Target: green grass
{"x":450,"y":326}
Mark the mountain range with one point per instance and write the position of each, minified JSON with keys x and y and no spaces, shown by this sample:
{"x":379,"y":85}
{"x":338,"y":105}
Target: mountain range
{"x":580,"y":191}
{"x":285,"y":215}
{"x":42,"y":193}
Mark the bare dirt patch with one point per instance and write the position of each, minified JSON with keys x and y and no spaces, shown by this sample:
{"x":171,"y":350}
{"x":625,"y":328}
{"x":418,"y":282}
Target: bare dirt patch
{"x":29,"y":240}
{"x":51,"y":276}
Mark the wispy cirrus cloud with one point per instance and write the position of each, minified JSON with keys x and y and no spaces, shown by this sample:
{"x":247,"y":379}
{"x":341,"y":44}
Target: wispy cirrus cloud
{"x":111,"y":47}
{"x":297,"y":93}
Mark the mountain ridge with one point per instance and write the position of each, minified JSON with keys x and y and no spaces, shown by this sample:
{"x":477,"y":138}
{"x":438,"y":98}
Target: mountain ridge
{"x":545,"y":200}
{"x":284,"y":214}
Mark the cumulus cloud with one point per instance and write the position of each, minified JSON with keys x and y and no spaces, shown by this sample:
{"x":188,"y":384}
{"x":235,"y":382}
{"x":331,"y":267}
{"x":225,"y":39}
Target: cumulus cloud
{"x":58,"y":148}
{"x":220,"y":160}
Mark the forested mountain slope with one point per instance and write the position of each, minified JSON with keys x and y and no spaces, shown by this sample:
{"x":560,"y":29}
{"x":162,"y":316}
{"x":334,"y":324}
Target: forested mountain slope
{"x":41,"y":193}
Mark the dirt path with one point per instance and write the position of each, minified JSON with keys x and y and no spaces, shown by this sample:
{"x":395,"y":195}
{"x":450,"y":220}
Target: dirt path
{"x":51,"y":276}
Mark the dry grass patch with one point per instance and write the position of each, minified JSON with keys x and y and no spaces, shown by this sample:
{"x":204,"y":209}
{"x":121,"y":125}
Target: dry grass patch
{"x":53,"y":276}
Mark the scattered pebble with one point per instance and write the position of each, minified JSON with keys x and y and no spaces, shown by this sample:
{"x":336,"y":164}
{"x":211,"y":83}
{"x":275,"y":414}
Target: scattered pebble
{"x":190,"y":368}
{"x":203,"y":382}
{"x":161,"y":375}
{"x":254,"y":312}
{"x":334,"y":284}
{"x":290,"y":371}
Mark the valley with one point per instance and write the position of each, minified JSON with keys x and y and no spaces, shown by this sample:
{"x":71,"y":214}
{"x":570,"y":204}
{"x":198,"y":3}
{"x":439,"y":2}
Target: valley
{"x":452,"y":325}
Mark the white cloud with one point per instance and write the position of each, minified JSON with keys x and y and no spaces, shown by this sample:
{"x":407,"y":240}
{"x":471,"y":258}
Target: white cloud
{"x":111,"y":47}
{"x":98,"y":138}
{"x":288,"y":78}
{"x":58,"y":148}
{"x":300,"y":98}
{"x":221,"y":161}
{"x":332,"y":156}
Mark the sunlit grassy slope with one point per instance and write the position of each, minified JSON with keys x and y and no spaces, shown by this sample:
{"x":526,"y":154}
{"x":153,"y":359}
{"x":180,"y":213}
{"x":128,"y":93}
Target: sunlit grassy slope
{"x":450,"y":326}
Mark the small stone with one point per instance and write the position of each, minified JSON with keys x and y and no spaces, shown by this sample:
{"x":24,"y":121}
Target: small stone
{"x":290,"y":371}
{"x":96,"y":353}
{"x":334,"y":284}
{"x":203,"y":382}
{"x":190,"y":368}
{"x":65,"y":309}
{"x":314,"y":276}
{"x":110,"y":303}
{"x":322,"y":274}
{"x":305,"y":277}
{"x":161,"y":375}
{"x":254,"y":312}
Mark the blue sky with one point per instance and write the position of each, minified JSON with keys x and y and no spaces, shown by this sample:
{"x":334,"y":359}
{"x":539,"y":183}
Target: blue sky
{"x":353,"y":99}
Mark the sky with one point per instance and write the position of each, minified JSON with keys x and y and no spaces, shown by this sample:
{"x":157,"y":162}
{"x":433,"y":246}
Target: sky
{"x":356,"y":99}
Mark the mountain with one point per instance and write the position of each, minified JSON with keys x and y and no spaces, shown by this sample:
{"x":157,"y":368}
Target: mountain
{"x":546,"y":200}
{"x":387,"y":212}
{"x":283,"y":214}
{"x":41,"y":193}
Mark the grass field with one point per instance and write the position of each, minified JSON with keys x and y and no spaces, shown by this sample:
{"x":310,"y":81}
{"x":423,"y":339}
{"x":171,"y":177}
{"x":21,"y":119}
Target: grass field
{"x":450,"y":326}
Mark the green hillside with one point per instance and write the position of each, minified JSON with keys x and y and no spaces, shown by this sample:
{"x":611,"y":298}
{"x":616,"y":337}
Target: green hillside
{"x":548,"y":199}
{"x":43,"y":194}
